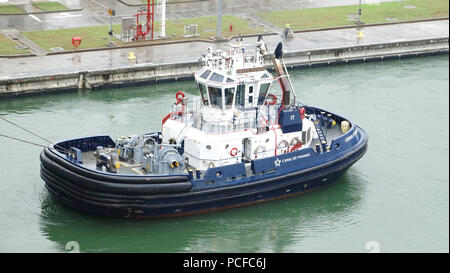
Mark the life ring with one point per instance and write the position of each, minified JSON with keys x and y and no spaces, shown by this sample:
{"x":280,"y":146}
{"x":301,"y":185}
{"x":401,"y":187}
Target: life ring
{"x":302,"y":112}
{"x":179,"y":96}
{"x":273,"y":100}
{"x":234,"y":151}
{"x":296,"y":144}
{"x":259,"y":149}
{"x":283,"y":146}
{"x":294,"y":141}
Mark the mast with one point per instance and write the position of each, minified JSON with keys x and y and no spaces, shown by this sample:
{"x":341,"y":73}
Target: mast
{"x":162,"y":18}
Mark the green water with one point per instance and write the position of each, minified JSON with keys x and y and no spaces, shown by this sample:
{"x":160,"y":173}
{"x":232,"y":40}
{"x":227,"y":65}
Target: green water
{"x":397,"y":195}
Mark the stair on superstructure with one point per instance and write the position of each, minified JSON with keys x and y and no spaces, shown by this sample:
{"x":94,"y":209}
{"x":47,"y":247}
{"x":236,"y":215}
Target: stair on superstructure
{"x":318,"y":125}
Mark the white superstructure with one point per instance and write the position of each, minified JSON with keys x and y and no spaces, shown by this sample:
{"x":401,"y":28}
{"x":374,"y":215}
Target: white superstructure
{"x":237,"y":118}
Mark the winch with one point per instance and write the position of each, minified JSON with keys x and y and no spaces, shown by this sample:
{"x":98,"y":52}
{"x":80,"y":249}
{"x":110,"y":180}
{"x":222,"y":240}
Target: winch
{"x":164,"y":160}
{"x":106,"y":157}
{"x":146,"y":151}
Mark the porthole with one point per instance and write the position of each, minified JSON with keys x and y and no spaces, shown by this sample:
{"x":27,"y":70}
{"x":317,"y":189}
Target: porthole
{"x":337,"y":146}
{"x":226,"y":146}
{"x":267,"y":140}
{"x":208,"y":147}
{"x":219,"y":174}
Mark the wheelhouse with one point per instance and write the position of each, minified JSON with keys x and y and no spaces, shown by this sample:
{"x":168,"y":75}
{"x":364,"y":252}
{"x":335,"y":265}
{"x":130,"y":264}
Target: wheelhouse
{"x":220,"y":90}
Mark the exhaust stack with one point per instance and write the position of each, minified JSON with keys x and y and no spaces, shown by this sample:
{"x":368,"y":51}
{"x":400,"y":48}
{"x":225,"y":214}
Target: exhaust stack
{"x":285,"y":83}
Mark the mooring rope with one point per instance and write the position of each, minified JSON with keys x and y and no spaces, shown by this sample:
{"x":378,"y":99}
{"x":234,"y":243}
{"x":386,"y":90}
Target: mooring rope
{"x":28,"y":131}
{"x":21,"y":140}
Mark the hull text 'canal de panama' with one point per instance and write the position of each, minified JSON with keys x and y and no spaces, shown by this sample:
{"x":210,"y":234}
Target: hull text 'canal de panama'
{"x":237,"y":145}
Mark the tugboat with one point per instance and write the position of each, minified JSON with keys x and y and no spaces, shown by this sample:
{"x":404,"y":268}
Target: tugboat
{"x":239,"y":144}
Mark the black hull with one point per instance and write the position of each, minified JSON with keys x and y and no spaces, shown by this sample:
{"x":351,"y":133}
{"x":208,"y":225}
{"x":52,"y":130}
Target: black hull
{"x":171,"y":198}
{"x":55,"y":168}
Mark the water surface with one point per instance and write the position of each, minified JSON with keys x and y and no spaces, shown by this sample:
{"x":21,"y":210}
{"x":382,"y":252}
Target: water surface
{"x":396,"y":195}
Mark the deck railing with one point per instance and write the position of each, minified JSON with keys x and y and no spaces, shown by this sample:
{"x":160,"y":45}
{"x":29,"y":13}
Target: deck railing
{"x":248,"y":119}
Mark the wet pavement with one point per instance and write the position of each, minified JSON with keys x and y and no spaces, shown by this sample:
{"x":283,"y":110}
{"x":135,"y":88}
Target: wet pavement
{"x":94,"y":12}
{"x":11,"y":68}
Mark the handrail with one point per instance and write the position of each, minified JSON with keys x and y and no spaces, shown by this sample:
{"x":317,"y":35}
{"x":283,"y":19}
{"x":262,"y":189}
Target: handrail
{"x":176,"y":139}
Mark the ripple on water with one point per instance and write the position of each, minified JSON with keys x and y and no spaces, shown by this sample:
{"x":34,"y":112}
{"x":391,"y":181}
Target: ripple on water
{"x":400,"y":185}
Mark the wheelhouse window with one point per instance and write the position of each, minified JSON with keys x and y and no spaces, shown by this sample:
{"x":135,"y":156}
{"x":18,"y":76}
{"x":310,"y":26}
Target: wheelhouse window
{"x":216,"y":77}
{"x":229,"y":94}
{"x":263,"y":92}
{"x":205,"y":74}
{"x":240,"y":96}
{"x":215,"y":96}
{"x":202,"y":89}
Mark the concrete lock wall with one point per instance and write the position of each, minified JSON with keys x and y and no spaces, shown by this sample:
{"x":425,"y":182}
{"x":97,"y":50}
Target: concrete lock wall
{"x":150,"y":74}
{"x":140,"y":75}
{"x":365,"y":53}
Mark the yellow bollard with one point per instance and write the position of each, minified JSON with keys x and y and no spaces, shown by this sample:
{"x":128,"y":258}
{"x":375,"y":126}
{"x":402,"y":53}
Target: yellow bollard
{"x":131,"y":55}
{"x":360,"y":34}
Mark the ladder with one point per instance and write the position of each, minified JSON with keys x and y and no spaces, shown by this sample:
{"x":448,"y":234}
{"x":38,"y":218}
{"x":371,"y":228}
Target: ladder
{"x":318,"y":125}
